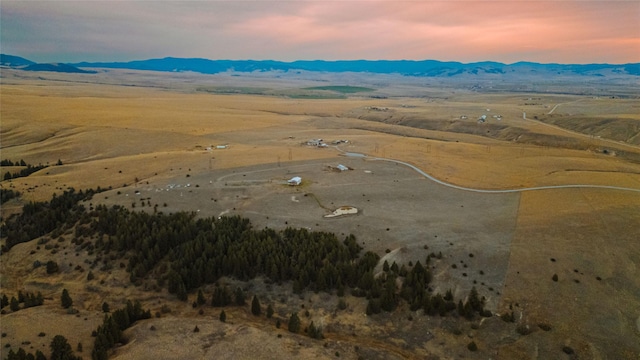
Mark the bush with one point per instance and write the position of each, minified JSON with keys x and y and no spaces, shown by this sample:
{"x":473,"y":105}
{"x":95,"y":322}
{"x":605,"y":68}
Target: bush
{"x":65,"y":299}
{"x":544,"y":327}
{"x":523,"y":329}
{"x":342,"y":305}
{"x":472,"y":346}
{"x":52,"y":267}
{"x":294,"y":323}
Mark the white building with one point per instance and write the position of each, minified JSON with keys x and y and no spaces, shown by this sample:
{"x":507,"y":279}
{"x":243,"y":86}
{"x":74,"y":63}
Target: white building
{"x":294,"y":181}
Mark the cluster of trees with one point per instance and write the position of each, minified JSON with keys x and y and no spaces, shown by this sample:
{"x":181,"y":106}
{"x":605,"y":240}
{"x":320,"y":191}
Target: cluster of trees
{"x":295,"y":324}
{"x":27,"y":299}
{"x":415,"y":290}
{"x":40,"y":218}
{"x":221,"y":297}
{"x":7,"y":162}
{"x":60,"y":350}
{"x":30,"y":169}
{"x":110,"y":332}
{"x":8,"y":194}
{"x":193,"y":252}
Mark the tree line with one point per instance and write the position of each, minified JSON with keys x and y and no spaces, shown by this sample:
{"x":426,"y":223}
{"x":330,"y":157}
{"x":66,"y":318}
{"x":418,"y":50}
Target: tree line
{"x":28,"y":170}
{"x":8,"y":194}
{"x":27,"y":300}
{"x":182,"y":253}
{"x":43,"y":217}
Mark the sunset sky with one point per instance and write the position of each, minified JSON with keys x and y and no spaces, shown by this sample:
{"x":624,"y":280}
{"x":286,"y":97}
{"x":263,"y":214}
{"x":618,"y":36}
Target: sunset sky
{"x":561,"y":31}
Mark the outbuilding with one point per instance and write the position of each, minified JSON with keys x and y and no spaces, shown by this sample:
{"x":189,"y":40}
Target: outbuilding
{"x":295,"y":181}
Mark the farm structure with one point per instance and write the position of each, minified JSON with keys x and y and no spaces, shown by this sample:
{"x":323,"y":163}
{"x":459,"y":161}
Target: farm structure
{"x":295,"y":181}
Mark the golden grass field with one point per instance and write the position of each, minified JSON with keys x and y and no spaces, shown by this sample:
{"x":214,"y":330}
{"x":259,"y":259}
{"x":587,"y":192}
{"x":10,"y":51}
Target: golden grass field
{"x":110,"y":135}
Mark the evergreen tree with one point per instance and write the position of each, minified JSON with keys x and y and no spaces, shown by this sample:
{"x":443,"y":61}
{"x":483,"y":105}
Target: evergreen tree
{"x":65,"y":299}
{"x":182,"y":292}
{"x":60,"y":349}
{"x":240,"y":299}
{"x":315,"y":332}
{"x":475,"y":301}
{"x":223,"y":316}
{"x":40,"y":298}
{"x":373,"y":307}
{"x":5,"y":301}
{"x":269,"y":311}
{"x":294,"y":323}
{"x":14,"y":304}
{"x":105,"y":307}
{"x":201,"y":300}
{"x":342,"y":304}
{"x":255,"y":306}
{"x":221,"y":297}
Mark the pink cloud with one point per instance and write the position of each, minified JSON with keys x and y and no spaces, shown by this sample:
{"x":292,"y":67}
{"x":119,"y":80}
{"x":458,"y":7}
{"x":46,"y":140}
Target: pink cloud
{"x":545,"y":31}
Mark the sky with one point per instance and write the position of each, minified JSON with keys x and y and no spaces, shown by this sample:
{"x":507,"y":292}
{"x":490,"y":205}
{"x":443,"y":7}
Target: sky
{"x":558,"y":31}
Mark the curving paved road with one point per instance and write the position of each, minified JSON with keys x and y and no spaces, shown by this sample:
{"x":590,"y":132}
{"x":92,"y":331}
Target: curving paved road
{"x":506,"y":190}
{"x":418,"y":170}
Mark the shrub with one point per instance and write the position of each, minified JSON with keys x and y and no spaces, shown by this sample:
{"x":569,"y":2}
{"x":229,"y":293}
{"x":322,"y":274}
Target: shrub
{"x":472,"y":346}
{"x":544,"y":327}
{"x":523,"y":329}
{"x":52,"y":267}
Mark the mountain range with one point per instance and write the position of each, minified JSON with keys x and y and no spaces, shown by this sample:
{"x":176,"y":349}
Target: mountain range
{"x":428,"y":68}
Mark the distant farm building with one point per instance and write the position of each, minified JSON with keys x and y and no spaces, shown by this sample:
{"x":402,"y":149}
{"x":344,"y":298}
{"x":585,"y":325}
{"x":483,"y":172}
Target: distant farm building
{"x":343,"y":210}
{"x":316,"y":142}
{"x":377,"y":108}
{"x":341,"y":141}
{"x":338,"y":168}
{"x":295,"y":181}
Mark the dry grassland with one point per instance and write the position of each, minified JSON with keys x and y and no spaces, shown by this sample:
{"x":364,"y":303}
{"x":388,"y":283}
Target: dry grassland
{"x":588,"y":238}
{"x":156,"y":131}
